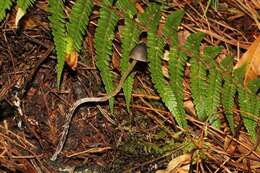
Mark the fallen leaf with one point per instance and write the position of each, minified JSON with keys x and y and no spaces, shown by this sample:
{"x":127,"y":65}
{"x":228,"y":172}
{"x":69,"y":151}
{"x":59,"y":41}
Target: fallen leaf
{"x":251,"y":59}
{"x":178,"y":165}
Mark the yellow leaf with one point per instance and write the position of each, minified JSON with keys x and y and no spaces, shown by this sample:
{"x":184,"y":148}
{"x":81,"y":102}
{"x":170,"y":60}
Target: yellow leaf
{"x":251,"y":59}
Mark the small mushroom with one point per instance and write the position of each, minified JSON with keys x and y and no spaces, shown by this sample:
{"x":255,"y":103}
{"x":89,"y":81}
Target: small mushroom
{"x":139,"y":53}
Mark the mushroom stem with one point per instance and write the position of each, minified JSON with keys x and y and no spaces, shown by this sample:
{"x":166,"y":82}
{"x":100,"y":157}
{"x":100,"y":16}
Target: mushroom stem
{"x":137,"y":54}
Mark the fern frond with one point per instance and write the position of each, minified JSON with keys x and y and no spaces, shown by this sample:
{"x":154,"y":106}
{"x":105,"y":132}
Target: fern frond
{"x":214,"y":84}
{"x":107,"y":3}
{"x":127,"y":7}
{"x":129,"y":39}
{"x":197,"y":75}
{"x":239,"y":75}
{"x":193,"y":43}
{"x":58,"y":31}
{"x":177,"y":59}
{"x":249,"y":109}
{"x":249,"y":103}
{"x":151,"y":17}
{"x":248,"y":100}
{"x":254,"y":85}
{"x":4,"y":5}
{"x":155,"y":53}
{"x":78,"y":21}
{"x":198,"y":86}
{"x":228,"y":91}
{"x":171,"y":25}
{"x":24,"y":4}
{"x":228,"y":94}
{"x":213,"y":96}
{"x":103,"y":44}
{"x":210,"y":54}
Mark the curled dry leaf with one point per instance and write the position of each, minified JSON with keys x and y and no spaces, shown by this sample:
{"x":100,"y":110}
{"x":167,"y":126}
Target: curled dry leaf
{"x":251,"y":59}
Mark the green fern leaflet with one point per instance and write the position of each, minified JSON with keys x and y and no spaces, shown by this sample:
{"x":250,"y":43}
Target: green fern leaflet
{"x":127,"y":7}
{"x":4,"y":5}
{"x":24,"y":4}
{"x":58,"y":31}
{"x":78,"y":21}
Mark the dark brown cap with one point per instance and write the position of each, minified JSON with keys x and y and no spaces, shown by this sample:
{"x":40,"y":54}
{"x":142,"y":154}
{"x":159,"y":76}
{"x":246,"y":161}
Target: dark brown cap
{"x":139,"y":53}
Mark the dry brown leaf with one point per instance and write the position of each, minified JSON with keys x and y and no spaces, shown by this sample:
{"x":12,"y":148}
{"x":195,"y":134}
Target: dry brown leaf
{"x":178,"y":165}
{"x":252,"y":61}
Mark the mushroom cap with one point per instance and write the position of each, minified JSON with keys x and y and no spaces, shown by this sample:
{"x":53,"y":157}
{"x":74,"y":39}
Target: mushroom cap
{"x":139,"y":53}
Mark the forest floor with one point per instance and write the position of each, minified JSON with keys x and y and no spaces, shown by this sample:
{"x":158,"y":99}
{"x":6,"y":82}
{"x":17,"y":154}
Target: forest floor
{"x":33,"y":111}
